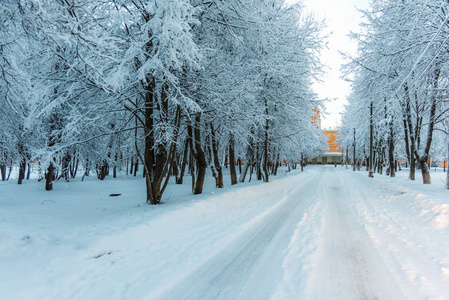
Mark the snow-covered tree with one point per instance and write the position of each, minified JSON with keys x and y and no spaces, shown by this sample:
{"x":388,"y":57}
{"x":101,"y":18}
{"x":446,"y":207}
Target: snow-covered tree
{"x":174,"y":83}
{"x":399,"y":69}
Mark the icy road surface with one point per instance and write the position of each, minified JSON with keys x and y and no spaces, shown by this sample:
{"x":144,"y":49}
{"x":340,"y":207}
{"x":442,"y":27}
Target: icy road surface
{"x":327,"y":233}
{"x":318,"y":208}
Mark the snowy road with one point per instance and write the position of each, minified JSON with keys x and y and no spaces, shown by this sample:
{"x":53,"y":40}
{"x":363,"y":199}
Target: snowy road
{"x":346,"y":259}
{"x":254,"y":259}
{"x":346,"y":264}
{"x":329,"y":211}
{"x":327,"y":233}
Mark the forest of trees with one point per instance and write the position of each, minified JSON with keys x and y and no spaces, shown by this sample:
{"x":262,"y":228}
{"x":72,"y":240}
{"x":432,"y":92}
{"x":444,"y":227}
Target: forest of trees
{"x":166,"y":87}
{"x":402,"y":70}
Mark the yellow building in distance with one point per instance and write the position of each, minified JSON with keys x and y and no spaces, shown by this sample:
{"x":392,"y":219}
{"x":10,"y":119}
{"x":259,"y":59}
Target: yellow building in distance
{"x":334,"y":155}
{"x":332,"y":141}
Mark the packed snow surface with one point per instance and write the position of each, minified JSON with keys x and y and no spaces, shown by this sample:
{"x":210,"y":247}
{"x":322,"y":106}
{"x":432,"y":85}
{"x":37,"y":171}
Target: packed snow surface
{"x":326,"y":233}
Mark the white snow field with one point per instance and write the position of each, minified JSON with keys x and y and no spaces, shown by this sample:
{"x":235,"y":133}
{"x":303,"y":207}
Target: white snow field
{"x":326,"y":233}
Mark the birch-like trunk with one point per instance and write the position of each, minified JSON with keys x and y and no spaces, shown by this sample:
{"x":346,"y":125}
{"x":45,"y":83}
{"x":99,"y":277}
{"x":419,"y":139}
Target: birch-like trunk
{"x":217,"y":165}
{"x":232,"y":160}
{"x":200,"y":157}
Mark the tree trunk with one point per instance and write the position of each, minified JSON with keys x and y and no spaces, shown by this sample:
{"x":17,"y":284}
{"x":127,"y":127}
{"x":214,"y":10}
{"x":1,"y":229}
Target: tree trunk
{"x":257,"y":163}
{"x":425,"y":157}
{"x":259,"y":171}
{"x":149,"y":152}
{"x":3,"y":171}
{"x":381,"y":167}
{"x":21,"y":171}
{"x":136,"y":167}
{"x":74,"y":165}
{"x":250,"y":172}
{"x":208,"y":150}
{"x":276,"y":165}
{"x":49,"y":177}
{"x":239,"y":161}
{"x":157,"y":161}
{"x":249,"y":158}
{"x":9,"y":172}
{"x":192,"y":156}
{"x":102,"y":169}
{"x":200,"y":157}
{"x":245,"y":171}
{"x":214,"y":174}
{"x":412,"y":168}
{"x":87,"y":168}
{"x":371,"y":136}
{"x":347,"y":158}
{"x":232,"y":160}
{"x":265,"y":145}
{"x":410,"y":132}
{"x":391,"y":160}
{"x":354,"y":144}
{"x":219,"y":179}
{"x":425,"y":171}
{"x":114,"y":168}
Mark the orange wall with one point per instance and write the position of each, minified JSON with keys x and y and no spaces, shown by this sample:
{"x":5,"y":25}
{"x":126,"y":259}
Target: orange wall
{"x":332,"y":141}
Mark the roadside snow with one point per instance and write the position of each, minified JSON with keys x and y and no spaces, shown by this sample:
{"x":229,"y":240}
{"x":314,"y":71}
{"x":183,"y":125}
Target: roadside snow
{"x":327,"y":233}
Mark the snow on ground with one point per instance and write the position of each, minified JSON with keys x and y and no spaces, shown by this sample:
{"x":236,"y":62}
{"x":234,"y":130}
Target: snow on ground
{"x":326,"y":233}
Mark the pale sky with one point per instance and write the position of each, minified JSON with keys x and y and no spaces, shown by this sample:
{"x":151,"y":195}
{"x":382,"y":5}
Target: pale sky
{"x":341,"y":17}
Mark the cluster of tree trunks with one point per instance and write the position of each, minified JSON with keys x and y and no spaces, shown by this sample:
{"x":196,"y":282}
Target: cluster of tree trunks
{"x":413,"y":127}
